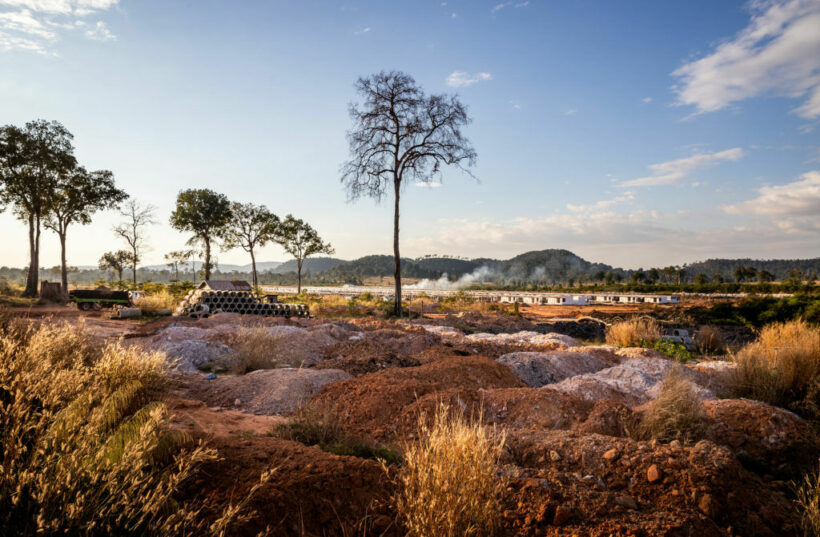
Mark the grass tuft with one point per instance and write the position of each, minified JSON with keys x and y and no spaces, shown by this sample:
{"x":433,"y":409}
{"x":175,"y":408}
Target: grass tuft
{"x":632,"y":332}
{"x":808,"y":499}
{"x":677,"y":413}
{"x":449,"y":485}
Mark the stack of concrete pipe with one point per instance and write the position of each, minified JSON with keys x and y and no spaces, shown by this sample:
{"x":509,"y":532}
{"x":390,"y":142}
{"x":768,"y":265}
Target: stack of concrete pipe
{"x":204,"y":302}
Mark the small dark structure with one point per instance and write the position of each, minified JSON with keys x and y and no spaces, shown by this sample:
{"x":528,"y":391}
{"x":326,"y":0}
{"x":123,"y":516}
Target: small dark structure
{"x":225,"y":285}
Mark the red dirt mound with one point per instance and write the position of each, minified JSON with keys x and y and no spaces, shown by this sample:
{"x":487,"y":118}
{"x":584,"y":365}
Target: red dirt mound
{"x":615,"y":486}
{"x":370,"y":404}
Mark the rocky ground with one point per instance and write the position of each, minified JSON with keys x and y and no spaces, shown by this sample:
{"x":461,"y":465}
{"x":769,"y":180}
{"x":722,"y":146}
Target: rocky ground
{"x":572,"y":467}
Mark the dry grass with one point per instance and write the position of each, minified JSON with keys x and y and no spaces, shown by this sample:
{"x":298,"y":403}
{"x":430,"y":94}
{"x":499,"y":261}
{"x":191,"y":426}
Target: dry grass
{"x":630,"y":333}
{"x":808,"y":498}
{"x":710,"y":341}
{"x":84,"y":443}
{"x":677,"y":413}
{"x":259,"y":349}
{"x":782,"y":367}
{"x":154,"y":302}
{"x":449,"y":485}
{"x":313,"y":423}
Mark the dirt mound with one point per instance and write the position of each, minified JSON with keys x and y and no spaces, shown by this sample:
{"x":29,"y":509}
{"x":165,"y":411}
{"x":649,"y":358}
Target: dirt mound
{"x":612,"y":486}
{"x":371,"y":351}
{"x":473,"y":321}
{"x":763,"y":437}
{"x":266,"y":391}
{"x":538,"y":369}
{"x":192,"y":355}
{"x":369,"y":405}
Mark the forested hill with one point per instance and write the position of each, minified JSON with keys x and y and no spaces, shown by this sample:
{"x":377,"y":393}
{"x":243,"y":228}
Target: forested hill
{"x":779,"y":267}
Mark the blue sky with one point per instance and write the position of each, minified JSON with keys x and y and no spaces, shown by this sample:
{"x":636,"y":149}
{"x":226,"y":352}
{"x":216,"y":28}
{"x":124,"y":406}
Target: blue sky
{"x":632,"y":133}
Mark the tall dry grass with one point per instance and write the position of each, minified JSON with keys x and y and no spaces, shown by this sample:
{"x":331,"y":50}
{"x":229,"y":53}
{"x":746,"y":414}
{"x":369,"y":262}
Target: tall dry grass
{"x":808,"y":499}
{"x":710,"y":341}
{"x":782,"y":367}
{"x":156,"y":301}
{"x":449,"y":486}
{"x":84,"y":443}
{"x":677,"y":413}
{"x":632,"y":332}
{"x":259,"y":349}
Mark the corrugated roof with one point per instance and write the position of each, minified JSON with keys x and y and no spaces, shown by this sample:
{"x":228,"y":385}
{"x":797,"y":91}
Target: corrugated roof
{"x":226,"y":285}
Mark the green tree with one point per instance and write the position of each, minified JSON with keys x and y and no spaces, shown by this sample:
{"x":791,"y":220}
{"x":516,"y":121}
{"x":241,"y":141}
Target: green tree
{"x":252,"y":227}
{"x":764,"y":276}
{"x":205,"y":214}
{"x":653,"y":275}
{"x":32,"y":159}
{"x":701,"y":279}
{"x":132,"y":231}
{"x":400,"y":135}
{"x":115,"y":262}
{"x":78,"y":195}
{"x":717,"y":277}
{"x":638,"y":277}
{"x":301,"y":241}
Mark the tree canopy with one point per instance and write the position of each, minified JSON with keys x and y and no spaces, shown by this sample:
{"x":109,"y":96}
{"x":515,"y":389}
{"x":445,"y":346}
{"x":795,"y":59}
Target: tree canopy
{"x":300,"y":240}
{"x":252,"y":226}
{"x":205,"y":214}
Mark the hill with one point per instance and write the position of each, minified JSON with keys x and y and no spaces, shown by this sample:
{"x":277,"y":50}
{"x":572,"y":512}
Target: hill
{"x":312,"y":264}
{"x":779,"y":267}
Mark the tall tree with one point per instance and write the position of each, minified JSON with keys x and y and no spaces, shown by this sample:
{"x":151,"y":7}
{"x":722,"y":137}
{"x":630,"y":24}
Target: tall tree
{"x":132,"y":231}
{"x":32,"y":159}
{"x":252,"y":226}
{"x":177,"y":258}
{"x":78,"y":195}
{"x":115,"y":261}
{"x":399,"y":135}
{"x":301,"y":241}
{"x":204,"y":213}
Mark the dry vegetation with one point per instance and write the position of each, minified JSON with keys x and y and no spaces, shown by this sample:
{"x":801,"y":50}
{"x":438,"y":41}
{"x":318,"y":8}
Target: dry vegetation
{"x":449,"y":485}
{"x":157,"y":301}
{"x":710,"y":341}
{"x":808,"y":498}
{"x":677,"y":413}
{"x":84,"y":443}
{"x":632,"y":332}
{"x":782,"y":367}
{"x":259,"y":349}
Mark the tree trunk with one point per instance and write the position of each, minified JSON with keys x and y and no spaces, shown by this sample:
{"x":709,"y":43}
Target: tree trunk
{"x":33,"y":266}
{"x":298,"y":276}
{"x":253,"y":269}
{"x":207,"y":258}
{"x":63,"y":268}
{"x":176,"y":272}
{"x":119,"y":274}
{"x":134,"y":269}
{"x":396,"y":255}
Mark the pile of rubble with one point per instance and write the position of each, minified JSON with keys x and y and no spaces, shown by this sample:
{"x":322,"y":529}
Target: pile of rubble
{"x":203,"y":302}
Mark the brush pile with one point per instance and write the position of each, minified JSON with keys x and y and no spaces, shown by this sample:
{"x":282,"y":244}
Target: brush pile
{"x":202,"y":303}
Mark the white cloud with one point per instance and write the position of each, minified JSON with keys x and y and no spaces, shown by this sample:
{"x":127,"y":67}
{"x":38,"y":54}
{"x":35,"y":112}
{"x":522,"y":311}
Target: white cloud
{"x":792,"y":207}
{"x":515,"y":105}
{"x":647,"y":99}
{"x":100,"y":32}
{"x":502,"y":5}
{"x":601,"y":204}
{"x":362,"y":31}
{"x":34,"y":25}
{"x":778,"y":53}
{"x":571,"y":112}
{"x":676,"y":171}
{"x":459,"y":79}
{"x":428,"y":184}
{"x":454,"y":16}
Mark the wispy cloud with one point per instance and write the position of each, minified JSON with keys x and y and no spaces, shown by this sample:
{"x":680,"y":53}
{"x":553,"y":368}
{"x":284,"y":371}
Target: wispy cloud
{"x":460,"y":79}
{"x":362,"y":31}
{"x":571,"y":112}
{"x":647,"y":99}
{"x":778,"y":53}
{"x":498,"y":7}
{"x":676,"y":171}
{"x":601,"y":204}
{"x":428,"y":184}
{"x":792,"y":207}
{"x":35,"y":25}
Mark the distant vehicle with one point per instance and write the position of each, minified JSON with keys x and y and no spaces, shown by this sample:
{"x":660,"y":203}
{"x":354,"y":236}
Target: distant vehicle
{"x":96,"y":299}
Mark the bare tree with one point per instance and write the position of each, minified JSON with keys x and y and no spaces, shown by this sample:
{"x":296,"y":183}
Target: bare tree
{"x":252,"y":226}
{"x":132,"y":231}
{"x":176,"y":259}
{"x":115,"y":262}
{"x":399,"y":135}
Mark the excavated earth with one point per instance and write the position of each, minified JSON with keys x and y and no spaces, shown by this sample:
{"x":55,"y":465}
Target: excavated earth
{"x":570,"y":466}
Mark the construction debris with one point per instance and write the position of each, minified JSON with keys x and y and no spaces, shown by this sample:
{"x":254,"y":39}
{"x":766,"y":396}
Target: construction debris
{"x":206,"y":301}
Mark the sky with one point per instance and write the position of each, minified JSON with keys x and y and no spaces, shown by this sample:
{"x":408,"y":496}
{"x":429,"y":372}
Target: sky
{"x":637,"y":133}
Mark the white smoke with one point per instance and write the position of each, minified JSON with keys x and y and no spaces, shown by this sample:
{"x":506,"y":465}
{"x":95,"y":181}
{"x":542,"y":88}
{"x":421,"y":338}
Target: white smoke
{"x":481,"y":274}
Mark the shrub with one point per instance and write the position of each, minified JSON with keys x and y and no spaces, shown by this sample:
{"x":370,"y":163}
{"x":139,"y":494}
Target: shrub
{"x":161,"y":299}
{"x":710,"y":341}
{"x":83,"y":440}
{"x":782,"y":367}
{"x":677,"y":413}
{"x":259,"y":349}
{"x":808,"y":498}
{"x":630,"y":333}
{"x":676,"y":351}
{"x":449,"y":485}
